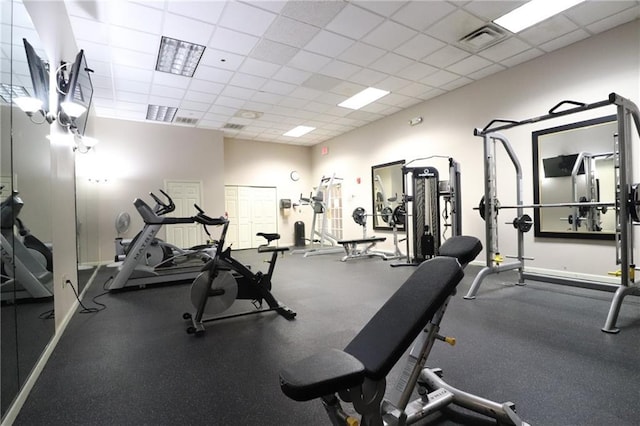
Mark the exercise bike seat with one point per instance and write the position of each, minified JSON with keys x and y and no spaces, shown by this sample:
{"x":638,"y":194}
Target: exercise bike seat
{"x":269,"y":236}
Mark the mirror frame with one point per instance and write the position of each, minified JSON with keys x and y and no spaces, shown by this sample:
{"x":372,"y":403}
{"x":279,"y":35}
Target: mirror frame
{"x":377,"y":220}
{"x":538,"y":232}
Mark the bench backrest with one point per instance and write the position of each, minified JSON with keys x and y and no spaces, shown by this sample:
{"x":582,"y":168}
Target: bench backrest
{"x":386,"y":337}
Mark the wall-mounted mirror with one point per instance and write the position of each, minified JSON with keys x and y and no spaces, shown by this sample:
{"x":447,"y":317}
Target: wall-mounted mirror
{"x":574,"y":163}
{"x":25,"y":167}
{"x":387,"y":190}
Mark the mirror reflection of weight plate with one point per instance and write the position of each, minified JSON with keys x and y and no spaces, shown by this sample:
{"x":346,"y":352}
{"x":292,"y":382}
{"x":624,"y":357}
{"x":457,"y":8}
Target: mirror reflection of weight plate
{"x":215,"y":304}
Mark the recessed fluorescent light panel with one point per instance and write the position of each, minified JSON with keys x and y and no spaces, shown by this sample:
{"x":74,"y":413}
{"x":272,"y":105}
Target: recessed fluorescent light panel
{"x":299,"y":131}
{"x":368,"y":95}
{"x":161,"y":113}
{"x":178,"y":57}
{"x":533,"y":12}
{"x":9,"y":91}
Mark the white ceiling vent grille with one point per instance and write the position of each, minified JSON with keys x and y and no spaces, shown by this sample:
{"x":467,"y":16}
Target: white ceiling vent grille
{"x":482,"y":38}
{"x":185,"y":120}
{"x":232,"y":126}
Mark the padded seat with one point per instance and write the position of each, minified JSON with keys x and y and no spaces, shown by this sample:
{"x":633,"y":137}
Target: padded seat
{"x":363,"y":240}
{"x":269,"y":236}
{"x":463,"y":247}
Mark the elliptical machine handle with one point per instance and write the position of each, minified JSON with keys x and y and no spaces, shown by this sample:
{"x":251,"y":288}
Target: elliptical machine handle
{"x":165,"y":208}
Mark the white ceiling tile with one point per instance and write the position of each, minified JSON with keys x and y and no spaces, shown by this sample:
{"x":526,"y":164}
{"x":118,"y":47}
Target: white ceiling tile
{"x":368,"y":77}
{"x":205,"y":86}
{"x":393,"y":83}
{"x":95,"y":52}
{"x":232,"y":41}
{"x":432,"y":94}
{"x":220,"y":59}
{"x":130,"y":73}
{"x":317,"y":107}
{"x":321,"y":82}
{"x":391,"y":63}
{"x":565,"y":40}
{"x":201,"y":97}
{"x":274,"y":52}
{"x":194,"y":106}
{"x":131,"y":97}
{"x":293,"y":103}
{"x":100,"y":69}
{"x":274,"y":6}
{"x":421,"y":14}
{"x":509,"y":47}
{"x":547,"y":30}
{"x":256,"y":106}
{"x":361,"y":54}
{"x":318,"y":13}
{"x":334,"y":99}
{"x":455,"y":26}
{"x":291,"y":75}
{"x":522,"y":57}
{"x":133,"y":86}
{"x":187,"y":29}
{"x":131,"y":15}
{"x":347,"y":89}
{"x":419,"y":47}
{"x":167,"y":92}
{"x":469,"y":65}
{"x":589,"y":12}
{"x":389,"y":35}
{"x":222,"y":110}
{"x":339,"y":111}
{"x":237,"y":92}
{"x":208,"y":11}
{"x":267,"y":98}
{"x":246,"y":18}
{"x":278,"y":87}
{"x":217,"y":117}
{"x":308,"y":61}
{"x":229,"y":102}
{"x":132,"y":58}
{"x":414,"y":90}
{"x":90,"y":30}
{"x":384,"y":8}
{"x":462,"y":81}
{"x":102,"y":81}
{"x":135,"y":40}
{"x":290,"y":32}
{"x":134,"y":107}
{"x":247,"y":81}
{"x":340,"y":69}
{"x":105,"y":111}
{"x":99,"y":92}
{"x":615,"y":20}
{"x":492,"y":69}
{"x":260,"y":68}
{"x":416,"y":71}
{"x":445,"y":57}
{"x":440,"y":78}
{"x":375,"y":107}
{"x":210,"y":124}
{"x":79,"y":8}
{"x":354,"y":22}
{"x":328,"y":44}
{"x":306,"y":93}
{"x":173,"y":80}
{"x":213,"y":74}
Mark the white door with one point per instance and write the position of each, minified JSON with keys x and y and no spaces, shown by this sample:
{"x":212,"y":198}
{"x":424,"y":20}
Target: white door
{"x":231,"y":209}
{"x":263,"y":213}
{"x":184,"y":194}
{"x":250,"y":210}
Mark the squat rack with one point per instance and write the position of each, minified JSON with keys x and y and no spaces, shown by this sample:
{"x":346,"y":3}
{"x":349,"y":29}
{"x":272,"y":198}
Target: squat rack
{"x":627,"y":199}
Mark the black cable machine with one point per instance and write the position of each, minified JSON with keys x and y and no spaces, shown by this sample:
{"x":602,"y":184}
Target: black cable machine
{"x":425,"y":223}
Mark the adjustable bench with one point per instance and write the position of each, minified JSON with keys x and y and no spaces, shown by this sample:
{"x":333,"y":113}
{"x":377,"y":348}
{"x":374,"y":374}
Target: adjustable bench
{"x":351,"y":247}
{"x":412,"y":315}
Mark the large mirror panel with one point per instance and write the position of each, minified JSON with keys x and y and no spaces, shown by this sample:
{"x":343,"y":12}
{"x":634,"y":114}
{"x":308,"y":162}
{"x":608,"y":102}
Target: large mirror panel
{"x":387,"y":190}
{"x":575,"y":164}
{"x":25,"y":170}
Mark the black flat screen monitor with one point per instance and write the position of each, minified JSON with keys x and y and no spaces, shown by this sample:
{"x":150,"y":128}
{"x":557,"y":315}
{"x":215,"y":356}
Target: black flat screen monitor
{"x":561,"y":166}
{"x":39,"y":75}
{"x":80,"y":89}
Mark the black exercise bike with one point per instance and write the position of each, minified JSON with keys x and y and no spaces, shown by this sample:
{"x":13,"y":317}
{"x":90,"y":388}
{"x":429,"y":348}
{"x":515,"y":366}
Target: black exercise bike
{"x":224,"y":279}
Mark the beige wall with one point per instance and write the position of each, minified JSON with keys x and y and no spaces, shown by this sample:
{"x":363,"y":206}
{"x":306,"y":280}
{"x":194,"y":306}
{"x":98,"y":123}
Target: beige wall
{"x":135,"y":159}
{"x":586,"y":71}
{"x":251,"y":163}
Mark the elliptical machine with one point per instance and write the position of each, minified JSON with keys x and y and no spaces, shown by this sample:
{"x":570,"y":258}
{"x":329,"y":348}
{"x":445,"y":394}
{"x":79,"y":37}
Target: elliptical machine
{"x":225,"y":279}
{"x":27,"y":263}
{"x":148,"y":263}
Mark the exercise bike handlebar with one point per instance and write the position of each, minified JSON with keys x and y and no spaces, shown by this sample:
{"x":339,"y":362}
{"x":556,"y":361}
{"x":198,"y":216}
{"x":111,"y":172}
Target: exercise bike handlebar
{"x":203,"y":219}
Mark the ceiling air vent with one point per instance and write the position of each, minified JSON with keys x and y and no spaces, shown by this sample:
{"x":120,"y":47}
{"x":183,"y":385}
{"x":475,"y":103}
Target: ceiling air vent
{"x":232,"y":126}
{"x":185,"y":120}
{"x":482,"y":38}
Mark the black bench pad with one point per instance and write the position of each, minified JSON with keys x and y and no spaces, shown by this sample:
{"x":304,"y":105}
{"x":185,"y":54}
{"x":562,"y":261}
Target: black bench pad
{"x":323,"y":373}
{"x":384,"y":339}
{"x":364,"y":240}
{"x":463,"y":247}
{"x":269,"y":249}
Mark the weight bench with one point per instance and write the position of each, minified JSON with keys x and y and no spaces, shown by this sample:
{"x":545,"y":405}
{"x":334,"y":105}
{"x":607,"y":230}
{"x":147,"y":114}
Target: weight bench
{"x":351,"y":247}
{"x":412,"y":315}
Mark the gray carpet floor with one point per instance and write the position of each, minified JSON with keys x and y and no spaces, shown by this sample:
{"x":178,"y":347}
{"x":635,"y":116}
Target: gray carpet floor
{"x":539,"y":346}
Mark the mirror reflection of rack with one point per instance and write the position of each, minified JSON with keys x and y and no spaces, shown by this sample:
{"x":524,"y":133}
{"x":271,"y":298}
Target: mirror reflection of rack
{"x":575,"y":163}
{"x":387,"y":190}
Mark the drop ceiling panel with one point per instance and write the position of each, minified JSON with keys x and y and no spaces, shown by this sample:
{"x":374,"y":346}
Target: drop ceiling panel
{"x":260,"y":55}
